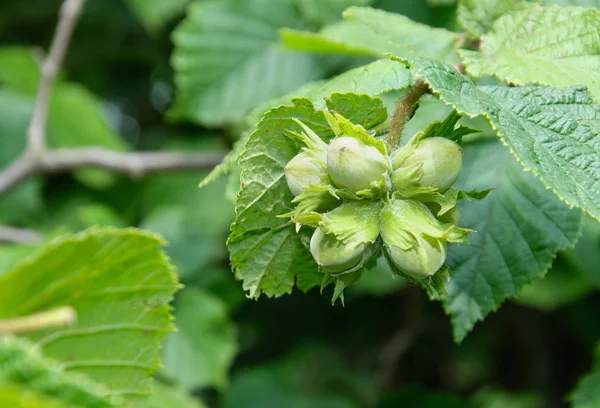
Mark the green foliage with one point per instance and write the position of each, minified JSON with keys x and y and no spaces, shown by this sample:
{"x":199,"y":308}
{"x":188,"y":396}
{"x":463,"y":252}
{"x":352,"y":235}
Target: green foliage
{"x":371,"y":32}
{"x":75,"y":118}
{"x":477,"y":16}
{"x":228,"y":67}
{"x":154,"y":14}
{"x":550,"y":130}
{"x":312,"y":376}
{"x":120,"y":284}
{"x":587,"y":391}
{"x":221,"y":47}
{"x":265,"y":251}
{"x":519,"y":228}
{"x":200,"y":352}
{"x":492,"y":397}
{"x":562,"y":40}
{"x":25,"y":201}
{"x":321,"y":12}
{"x":28,"y":379}
{"x":172,"y":397}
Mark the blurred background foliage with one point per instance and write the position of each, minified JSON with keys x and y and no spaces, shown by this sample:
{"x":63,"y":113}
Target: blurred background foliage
{"x":389,"y":346}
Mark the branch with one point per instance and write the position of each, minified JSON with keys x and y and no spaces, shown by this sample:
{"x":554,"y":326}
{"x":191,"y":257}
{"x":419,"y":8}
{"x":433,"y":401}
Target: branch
{"x":37,"y":160}
{"x":12,"y":235}
{"x":36,"y":132}
{"x":404,"y":110}
{"x":134,"y":164}
{"x":63,"y":316}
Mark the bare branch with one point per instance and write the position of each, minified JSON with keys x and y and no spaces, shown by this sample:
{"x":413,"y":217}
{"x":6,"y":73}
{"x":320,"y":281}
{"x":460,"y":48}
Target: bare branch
{"x":36,"y":133}
{"x":37,"y":160}
{"x":133,"y":164}
{"x":60,"y":317}
{"x":12,"y":235}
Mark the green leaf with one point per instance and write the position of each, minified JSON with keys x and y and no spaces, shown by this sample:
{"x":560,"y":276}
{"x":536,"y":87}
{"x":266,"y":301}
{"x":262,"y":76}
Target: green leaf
{"x":448,"y":128}
{"x":120,"y":284}
{"x":266,"y":252}
{"x":27,"y":379}
{"x":519,"y":228}
{"x":371,"y":32}
{"x":76,"y":120}
{"x":587,"y":391}
{"x":200,"y":352}
{"x":10,"y":255}
{"x":193,"y":244}
{"x":564,"y":41}
{"x":491,"y":397}
{"x":553,"y":132}
{"x":11,"y":396}
{"x":154,"y":14}
{"x":321,"y":12}
{"x":477,"y":16}
{"x":171,"y":397}
{"x":227,"y":60}
{"x":565,"y":3}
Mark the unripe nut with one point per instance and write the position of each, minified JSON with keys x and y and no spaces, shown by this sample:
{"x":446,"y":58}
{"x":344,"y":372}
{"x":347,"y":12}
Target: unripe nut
{"x":441,"y":160}
{"x":331,"y":254}
{"x":354,"y":165}
{"x":422,"y":260}
{"x":300,"y":172}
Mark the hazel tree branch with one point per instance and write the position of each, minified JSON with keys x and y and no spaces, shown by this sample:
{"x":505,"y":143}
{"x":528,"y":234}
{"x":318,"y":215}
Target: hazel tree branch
{"x":37,"y":160}
{"x":134,"y":164}
{"x":404,"y":110}
{"x":36,"y":132}
{"x":60,"y":317}
{"x":13,"y":235}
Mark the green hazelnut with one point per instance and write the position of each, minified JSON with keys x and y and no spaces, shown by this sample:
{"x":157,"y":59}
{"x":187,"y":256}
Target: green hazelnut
{"x":332,"y":255}
{"x":414,"y":240}
{"x":300,"y":172}
{"x":354,"y":165}
{"x":440,"y":160}
{"x":422,"y":260}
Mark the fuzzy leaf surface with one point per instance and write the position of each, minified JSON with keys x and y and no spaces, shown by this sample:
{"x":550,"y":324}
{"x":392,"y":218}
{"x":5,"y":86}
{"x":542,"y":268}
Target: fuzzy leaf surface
{"x":548,"y":45}
{"x":553,"y":132}
{"x":519,"y":228}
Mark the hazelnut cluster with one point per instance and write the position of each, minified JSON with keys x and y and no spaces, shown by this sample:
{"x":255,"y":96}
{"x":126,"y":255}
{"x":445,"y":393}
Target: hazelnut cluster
{"x":361,"y":197}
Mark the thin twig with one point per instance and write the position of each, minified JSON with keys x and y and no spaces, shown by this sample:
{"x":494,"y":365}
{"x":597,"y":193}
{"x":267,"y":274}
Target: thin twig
{"x":36,"y":132}
{"x":133,"y":164}
{"x":404,"y":110}
{"x":62,"y":316}
{"x":37,"y":160}
{"x":13,"y":235}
